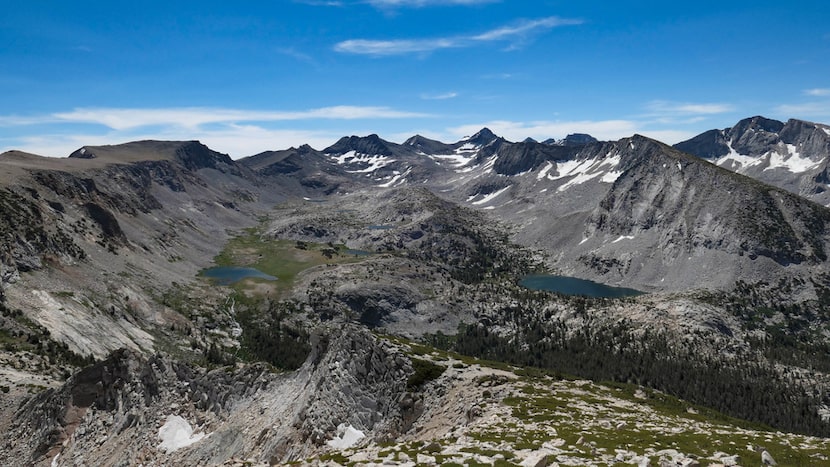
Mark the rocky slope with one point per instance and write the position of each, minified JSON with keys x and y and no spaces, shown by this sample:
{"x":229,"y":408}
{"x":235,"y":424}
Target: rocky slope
{"x":630,"y":212}
{"x":91,"y":240}
{"x":363,"y":400}
{"x":114,"y":412}
{"x":638,"y":213}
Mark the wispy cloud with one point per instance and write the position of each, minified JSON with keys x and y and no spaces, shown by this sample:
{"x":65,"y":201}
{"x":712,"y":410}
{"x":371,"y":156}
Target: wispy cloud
{"x":500,"y":76}
{"x":819,"y":92}
{"x":525,"y":27}
{"x":423,"y":3}
{"x":236,"y":140}
{"x":439,"y":97}
{"x":194,"y":117}
{"x":390,"y":5}
{"x":238,"y":132}
{"x":299,"y":56}
{"x":320,"y":2}
{"x":686,"y":108}
{"x":806,"y":109}
{"x":395,"y":47}
{"x":514,"y":33}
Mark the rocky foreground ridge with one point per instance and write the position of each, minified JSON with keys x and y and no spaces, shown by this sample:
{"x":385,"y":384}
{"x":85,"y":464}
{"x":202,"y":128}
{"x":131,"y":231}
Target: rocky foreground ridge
{"x":364,"y":400}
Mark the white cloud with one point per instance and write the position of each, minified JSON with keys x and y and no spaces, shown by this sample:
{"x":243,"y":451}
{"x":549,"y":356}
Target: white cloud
{"x":686,"y":108}
{"x":515,"y":32}
{"x":807,"y":109}
{"x":395,"y":47}
{"x":194,"y":117}
{"x":525,"y":27}
{"x":821,"y":92}
{"x":234,"y":131}
{"x":236,"y":140}
{"x":439,"y":97}
{"x":299,"y":56}
{"x":320,"y":2}
{"x":423,"y":3}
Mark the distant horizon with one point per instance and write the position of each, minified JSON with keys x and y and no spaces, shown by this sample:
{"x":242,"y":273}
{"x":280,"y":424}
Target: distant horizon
{"x":402,"y":141}
{"x":244,"y":78}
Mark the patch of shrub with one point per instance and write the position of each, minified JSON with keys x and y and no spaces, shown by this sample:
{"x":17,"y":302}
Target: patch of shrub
{"x":425,"y":371}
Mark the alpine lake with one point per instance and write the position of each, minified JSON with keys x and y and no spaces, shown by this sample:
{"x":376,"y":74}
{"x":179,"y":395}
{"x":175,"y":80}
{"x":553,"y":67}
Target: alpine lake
{"x":574,"y":286}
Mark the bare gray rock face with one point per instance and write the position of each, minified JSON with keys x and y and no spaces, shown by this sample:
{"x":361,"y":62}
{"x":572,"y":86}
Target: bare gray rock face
{"x":110,"y":413}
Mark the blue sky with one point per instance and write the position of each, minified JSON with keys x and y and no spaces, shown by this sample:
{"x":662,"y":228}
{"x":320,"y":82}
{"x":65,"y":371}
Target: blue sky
{"x":249,"y":76}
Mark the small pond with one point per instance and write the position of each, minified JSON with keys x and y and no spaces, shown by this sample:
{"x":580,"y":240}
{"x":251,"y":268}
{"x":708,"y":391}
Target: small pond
{"x":227,"y":275}
{"x":573,"y":286}
{"x":351,"y":252}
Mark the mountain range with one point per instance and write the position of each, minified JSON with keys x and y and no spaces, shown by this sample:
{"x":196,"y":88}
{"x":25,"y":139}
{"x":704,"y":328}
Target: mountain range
{"x":107,"y":324}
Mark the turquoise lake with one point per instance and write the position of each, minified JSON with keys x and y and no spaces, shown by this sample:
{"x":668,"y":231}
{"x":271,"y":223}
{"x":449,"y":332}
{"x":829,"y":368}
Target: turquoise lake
{"x":573,"y":286}
{"x":227,"y":275}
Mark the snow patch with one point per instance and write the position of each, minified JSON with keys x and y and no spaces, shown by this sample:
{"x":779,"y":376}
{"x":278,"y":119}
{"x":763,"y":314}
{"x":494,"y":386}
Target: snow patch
{"x":624,"y":237}
{"x":466,"y":169}
{"x":347,"y":436}
{"x":610,"y":177}
{"x":344,"y":158}
{"x":176,"y":433}
{"x":488,"y":166}
{"x":398,"y":176}
{"x":736,"y":161}
{"x":574,"y":167}
{"x":612,"y":160}
{"x":456,"y":160}
{"x":792,"y":161}
{"x":490,"y":197}
{"x":544,"y":172}
{"x":578,"y":180}
{"x":373,"y":161}
{"x":826,"y":130}
{"x":588,"y":169}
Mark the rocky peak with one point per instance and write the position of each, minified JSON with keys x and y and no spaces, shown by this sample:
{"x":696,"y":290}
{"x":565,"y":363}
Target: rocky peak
{"x":306,"y":149}
{"x":708,"y":145}
{"x":195,"y":155}
{"x":416,"y":140}
{"x":428,"y":146}
{"x":812,"y":139}
{"x":83,"y":153}
{"x":573,"y":139}
{"x":755,"y":135}
{"x":757,"y":123}
{"x":483,"y":137}
{"x":372,"y":144}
